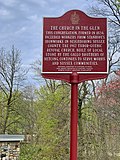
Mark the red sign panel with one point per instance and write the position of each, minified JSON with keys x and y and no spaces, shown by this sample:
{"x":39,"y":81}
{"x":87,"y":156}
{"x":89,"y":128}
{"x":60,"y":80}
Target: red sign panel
{"x":75,"y":43}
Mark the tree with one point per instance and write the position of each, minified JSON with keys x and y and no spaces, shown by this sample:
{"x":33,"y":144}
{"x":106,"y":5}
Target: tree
{"x":51,"y":126}
{"x":11,"y":79}
{"x":107,"y":109}
{"x":110,"y":9}
{"x":107,"y":8}
{"x":94,"y":113}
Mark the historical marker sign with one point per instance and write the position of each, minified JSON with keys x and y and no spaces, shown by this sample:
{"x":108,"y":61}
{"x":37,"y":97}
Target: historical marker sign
{"x":75,"y":43}
{"x":74,"y":50}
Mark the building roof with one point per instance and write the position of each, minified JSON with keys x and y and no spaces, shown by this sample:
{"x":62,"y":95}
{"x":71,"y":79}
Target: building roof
{"x":11,"y":138}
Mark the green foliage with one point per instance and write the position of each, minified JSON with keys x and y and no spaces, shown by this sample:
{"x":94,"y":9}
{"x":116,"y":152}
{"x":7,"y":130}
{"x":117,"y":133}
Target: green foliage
{"x":51,"y":138}
{"x":99,"y":125}
{"x":118,"y":3}
{"x":30,"y":152}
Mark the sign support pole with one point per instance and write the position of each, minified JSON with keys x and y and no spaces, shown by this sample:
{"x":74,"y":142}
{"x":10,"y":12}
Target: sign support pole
{"x":74,"y":116}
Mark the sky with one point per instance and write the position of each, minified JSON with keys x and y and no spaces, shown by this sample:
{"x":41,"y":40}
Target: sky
{"x":21,"y":24}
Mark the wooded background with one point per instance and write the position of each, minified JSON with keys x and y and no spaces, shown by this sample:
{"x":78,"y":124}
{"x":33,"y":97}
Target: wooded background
{"x":42,"y":114}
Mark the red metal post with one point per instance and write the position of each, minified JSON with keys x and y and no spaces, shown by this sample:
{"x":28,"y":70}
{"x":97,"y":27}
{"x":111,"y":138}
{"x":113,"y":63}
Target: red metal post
{"x":74,"y":117}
